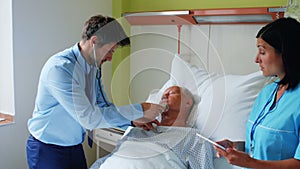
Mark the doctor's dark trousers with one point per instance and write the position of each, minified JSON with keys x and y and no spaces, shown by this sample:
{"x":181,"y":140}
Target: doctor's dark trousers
{"x":49,"y":156}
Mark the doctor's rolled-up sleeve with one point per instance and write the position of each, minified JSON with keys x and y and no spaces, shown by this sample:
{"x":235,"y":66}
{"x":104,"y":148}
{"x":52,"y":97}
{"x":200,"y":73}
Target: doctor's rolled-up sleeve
{"x":67,"y":85}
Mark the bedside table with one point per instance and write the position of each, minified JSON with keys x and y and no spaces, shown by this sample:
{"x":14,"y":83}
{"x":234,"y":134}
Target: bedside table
{"x":106,"y":140}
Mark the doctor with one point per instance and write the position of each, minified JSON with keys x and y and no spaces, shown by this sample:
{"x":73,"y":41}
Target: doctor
{"x":273,"y":127}
{"x":71,"y":99}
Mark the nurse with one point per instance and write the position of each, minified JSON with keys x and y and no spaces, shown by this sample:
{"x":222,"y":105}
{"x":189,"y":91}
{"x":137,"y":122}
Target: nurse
{"x":273,"y":127}
{"x":71,"y":99}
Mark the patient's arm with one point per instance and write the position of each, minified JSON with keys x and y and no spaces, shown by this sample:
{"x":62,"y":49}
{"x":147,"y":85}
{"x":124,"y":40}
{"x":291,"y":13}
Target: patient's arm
{"x":201,"y":155}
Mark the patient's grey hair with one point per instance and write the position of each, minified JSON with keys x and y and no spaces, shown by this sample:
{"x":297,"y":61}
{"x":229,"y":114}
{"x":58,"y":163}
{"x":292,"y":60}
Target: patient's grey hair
{"x":190,"y":122}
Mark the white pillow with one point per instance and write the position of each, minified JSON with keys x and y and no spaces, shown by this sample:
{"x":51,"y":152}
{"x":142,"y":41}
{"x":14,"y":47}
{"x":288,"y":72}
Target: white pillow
{"x":226,"y":100}
{"x":226,"y":104}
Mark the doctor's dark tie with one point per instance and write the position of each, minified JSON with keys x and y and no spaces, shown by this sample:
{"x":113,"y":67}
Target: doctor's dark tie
{"x":90,"y":138}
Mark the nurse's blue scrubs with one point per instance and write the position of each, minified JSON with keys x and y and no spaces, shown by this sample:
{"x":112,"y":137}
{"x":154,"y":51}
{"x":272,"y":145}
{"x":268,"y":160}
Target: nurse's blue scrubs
{"x":273,"y":131}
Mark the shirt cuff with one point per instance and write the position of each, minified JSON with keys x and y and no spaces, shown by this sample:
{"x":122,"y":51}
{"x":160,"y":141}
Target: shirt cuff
{"x":132,"y":112}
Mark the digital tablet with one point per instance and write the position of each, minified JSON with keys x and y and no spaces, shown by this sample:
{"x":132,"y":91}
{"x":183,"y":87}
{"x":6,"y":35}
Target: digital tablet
{"x":212,"y":142}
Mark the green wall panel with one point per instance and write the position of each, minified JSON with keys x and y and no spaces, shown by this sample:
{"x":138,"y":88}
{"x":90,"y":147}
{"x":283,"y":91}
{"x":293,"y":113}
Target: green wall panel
{"x":156,"y":5}
{"x":120,"y":62}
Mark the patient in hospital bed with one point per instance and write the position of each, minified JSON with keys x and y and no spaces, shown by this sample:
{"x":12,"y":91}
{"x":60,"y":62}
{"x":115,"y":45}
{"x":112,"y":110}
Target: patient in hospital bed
{"x":171,"y":145}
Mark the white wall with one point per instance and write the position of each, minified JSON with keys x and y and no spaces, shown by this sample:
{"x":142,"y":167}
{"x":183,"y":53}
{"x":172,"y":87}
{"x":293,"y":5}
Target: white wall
{"x":233,"y":48}
{"x":152,"y":50}
{"x":40,"y":29}
{"x":229,"y":49}
{"x":6,"y":59}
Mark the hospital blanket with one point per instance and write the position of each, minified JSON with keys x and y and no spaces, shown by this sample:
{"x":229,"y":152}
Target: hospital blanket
{"x":163,"y":147}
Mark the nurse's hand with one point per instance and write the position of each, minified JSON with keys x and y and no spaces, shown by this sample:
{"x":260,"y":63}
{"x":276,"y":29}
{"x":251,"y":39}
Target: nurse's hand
{"x":232,"y":155}
{"x":225,"y":143}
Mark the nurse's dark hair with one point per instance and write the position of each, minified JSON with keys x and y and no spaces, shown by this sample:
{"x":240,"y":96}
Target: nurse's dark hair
{"x":107,"y":29}
{"x":284,"y":35}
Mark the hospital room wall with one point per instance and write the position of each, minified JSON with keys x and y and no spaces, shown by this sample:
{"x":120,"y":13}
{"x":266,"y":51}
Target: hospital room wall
{"x":151,"y":79}
{"x":40,"y":29}
{"x":225,"y":49}
{"x":120,"y":76}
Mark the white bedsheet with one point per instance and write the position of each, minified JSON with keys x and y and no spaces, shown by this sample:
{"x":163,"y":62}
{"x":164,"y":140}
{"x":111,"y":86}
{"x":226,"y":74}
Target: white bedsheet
{"x":164,"y":147}
{"x":146,"y":155}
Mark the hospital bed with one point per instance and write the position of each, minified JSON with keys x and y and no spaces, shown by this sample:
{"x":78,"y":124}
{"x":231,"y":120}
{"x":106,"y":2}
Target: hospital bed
{"x":224,"y":101}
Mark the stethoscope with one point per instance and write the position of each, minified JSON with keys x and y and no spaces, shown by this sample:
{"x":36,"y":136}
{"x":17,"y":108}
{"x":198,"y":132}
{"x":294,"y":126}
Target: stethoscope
{"x":262,"y":115}
{"x":98,"y":77}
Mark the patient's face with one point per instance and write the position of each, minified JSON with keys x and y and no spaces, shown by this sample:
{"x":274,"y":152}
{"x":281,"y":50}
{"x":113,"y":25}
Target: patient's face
{"x":172,"y":97}
{"x":179,"y":107}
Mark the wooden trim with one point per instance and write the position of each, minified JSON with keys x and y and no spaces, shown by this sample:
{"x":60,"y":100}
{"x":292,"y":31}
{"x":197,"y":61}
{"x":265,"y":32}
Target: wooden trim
{"x":8,"y":119}
{"x":165,"y":17}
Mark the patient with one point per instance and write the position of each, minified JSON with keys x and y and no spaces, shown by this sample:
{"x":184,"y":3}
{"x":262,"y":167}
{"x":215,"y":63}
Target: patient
{"x":171,"y":145}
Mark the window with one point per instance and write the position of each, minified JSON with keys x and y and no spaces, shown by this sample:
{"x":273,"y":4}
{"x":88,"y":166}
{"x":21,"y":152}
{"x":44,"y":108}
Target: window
{"x":6,"y":64}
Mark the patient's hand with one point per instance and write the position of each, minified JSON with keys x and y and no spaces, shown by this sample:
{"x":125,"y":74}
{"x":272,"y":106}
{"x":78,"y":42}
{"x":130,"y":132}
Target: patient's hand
{"x":145,"y":123}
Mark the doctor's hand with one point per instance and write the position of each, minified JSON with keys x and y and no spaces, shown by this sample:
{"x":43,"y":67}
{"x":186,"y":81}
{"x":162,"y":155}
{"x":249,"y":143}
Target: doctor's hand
{"x":145,"y":123}
{"x":151,"y":111}
{"x":232,"y":155}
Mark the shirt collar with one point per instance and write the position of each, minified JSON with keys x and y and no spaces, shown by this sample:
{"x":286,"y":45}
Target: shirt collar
{"x":81,"y":60}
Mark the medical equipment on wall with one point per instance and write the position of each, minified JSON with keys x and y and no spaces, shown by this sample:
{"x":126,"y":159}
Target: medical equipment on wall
{"x":178,"y":40}
{"x":293,"y":9}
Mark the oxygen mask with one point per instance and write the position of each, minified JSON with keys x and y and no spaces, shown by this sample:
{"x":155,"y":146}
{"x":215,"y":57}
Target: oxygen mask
{"x":165,"y":105}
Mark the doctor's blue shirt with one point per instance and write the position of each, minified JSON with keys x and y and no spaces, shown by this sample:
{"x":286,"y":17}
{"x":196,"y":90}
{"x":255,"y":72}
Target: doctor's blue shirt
{"x":69,"y":101}
{"x":277,"y":136}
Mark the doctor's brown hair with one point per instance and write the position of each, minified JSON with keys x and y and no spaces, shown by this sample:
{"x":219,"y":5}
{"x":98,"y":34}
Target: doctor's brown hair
{"x":107,"y":29}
